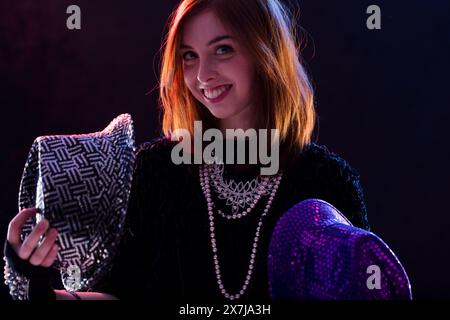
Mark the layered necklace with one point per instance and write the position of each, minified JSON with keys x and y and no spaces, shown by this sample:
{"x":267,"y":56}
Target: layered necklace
{"x":242,"y":198}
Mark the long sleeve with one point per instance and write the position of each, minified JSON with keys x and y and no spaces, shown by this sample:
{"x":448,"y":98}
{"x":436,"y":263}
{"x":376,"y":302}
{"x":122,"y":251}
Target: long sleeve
{"x":120,"y":281}
{"x":133,"y":261}
{"x":339,"y":184}
{"x":348,"y":193}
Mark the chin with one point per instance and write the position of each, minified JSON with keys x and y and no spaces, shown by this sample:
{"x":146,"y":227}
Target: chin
{"x":219,"y":113}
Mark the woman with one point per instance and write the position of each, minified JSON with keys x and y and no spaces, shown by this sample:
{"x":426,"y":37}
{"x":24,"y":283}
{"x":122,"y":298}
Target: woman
{"x":232,"y":64}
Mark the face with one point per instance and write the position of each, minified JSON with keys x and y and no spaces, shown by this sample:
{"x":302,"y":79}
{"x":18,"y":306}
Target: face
{"x":218,"y":71}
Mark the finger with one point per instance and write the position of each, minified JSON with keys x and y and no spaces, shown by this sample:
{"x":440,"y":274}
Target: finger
{"x":16,"y":224}
{"x":50,"y":258}
{"x":32,"y":240}
{"x":42,"y":251}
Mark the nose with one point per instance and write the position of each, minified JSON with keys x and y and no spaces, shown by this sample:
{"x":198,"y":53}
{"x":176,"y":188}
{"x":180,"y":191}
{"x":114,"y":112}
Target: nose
{"x":206,"y":72}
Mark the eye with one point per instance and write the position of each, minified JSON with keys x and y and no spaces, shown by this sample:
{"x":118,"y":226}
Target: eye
{"x":187,"y":53}
{"x":224,"y":49}
{"x":228,"y":49}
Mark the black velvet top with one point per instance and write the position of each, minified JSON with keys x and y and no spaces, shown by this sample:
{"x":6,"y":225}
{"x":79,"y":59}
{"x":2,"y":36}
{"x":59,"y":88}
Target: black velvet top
{"x":166,"y":253}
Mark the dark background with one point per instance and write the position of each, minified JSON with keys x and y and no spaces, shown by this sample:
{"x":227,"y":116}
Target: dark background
{"x":382,"y":99}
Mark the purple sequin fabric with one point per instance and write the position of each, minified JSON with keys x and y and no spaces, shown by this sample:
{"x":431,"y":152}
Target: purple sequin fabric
{"x":316,"y":254}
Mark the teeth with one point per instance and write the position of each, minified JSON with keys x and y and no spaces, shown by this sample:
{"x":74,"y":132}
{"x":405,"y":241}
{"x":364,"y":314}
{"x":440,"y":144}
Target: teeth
{"x":212,"y":94}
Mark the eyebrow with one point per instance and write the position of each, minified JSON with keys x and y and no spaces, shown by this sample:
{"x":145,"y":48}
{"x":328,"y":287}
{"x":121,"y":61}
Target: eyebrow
{"x":216,"y":39}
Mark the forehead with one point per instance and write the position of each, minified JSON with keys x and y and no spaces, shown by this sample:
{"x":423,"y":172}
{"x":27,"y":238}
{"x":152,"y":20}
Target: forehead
{"x":202,"y":27}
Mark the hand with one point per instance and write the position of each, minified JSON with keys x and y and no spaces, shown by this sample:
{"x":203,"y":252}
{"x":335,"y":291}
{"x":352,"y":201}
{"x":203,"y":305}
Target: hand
{"x":28,"y":272}
{"x":38,"y":255}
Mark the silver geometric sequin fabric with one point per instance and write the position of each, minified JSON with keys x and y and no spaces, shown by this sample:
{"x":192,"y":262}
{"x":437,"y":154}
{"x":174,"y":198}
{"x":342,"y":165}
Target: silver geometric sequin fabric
{"x":81,"y":184}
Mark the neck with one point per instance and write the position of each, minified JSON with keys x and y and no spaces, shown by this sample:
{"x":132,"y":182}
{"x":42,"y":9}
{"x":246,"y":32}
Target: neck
{"x":244,"y":120}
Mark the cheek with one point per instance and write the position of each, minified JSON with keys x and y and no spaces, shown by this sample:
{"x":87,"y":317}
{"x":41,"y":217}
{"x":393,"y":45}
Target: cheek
{"x":243,"y":74}
{"x":244,"y":81}
{"x":190,"y":82}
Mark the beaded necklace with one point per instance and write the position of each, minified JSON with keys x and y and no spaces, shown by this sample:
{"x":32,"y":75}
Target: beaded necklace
{"x":239,"y":195}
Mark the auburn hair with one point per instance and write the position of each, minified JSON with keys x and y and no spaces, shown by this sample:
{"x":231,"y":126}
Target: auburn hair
{"x":267,"y":30}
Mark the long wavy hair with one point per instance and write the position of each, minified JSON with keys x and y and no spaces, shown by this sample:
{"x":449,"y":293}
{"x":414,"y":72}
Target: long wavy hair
{"x":269,"y":33}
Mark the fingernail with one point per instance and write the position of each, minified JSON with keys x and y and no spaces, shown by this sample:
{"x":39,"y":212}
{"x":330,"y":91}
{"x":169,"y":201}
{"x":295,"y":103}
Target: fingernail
{"x":44,"y":223}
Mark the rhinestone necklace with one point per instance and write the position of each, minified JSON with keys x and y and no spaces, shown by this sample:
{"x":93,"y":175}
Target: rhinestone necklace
{"x":239,"y":195}
{"x":205,"y":184}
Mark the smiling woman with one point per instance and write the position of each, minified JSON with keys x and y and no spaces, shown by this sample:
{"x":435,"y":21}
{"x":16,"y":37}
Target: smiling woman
{"x":231,"y":64}
{"x":235,"y":64}
{"x":203,"y":232}
{"x":219,"y":72}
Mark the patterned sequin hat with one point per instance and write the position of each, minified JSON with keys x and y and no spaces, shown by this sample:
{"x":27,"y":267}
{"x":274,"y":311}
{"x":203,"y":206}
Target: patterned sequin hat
{"x":81,"y":184}
{"x":316,"y":253}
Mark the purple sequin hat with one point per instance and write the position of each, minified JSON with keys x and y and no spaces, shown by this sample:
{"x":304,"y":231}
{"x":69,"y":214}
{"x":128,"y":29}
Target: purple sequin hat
{"x":316,"y":253}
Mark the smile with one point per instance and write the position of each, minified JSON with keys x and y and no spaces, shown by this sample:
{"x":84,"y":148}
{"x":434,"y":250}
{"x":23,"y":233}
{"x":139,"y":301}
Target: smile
{"x":216,"y":94}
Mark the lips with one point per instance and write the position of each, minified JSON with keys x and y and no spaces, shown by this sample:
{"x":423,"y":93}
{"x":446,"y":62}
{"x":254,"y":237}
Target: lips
{"x":216,"y":94}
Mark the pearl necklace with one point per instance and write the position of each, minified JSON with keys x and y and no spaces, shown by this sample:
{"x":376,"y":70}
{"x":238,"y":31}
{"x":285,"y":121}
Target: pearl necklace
{"x":204,"y":182}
